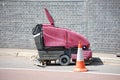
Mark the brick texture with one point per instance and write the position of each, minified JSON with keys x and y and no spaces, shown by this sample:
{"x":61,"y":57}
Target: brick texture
{"x":104,"y":25}
{"x":98,"y":20}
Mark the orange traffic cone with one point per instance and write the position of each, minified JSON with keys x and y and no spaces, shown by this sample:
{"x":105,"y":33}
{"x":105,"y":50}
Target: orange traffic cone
{"x":80,"y":65}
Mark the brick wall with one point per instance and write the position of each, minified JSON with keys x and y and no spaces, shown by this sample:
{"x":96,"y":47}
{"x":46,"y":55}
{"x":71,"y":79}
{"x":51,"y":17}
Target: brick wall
{"x":104,"y":25}
{"x":98,"y":20}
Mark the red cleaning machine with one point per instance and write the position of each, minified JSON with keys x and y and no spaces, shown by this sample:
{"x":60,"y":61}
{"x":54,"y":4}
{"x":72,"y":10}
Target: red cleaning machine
{"x":55,"y":43}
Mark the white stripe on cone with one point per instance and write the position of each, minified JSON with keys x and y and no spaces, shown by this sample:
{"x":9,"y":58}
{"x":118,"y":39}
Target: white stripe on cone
{"x":79,"y":55}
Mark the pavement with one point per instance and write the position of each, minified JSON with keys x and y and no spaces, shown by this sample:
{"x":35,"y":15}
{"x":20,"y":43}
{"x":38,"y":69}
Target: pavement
{"x":104,"y":57}
{"x":27,"y":74}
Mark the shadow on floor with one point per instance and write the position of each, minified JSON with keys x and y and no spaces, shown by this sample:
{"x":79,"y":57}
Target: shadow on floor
{"x":96,"y":61}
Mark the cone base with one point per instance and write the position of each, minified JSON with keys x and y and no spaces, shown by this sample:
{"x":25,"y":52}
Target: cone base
{"x":80,"y":67}
{"x":80,"y":70}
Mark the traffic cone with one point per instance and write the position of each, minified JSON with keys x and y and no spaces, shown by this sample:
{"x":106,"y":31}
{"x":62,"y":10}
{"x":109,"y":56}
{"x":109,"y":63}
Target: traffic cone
{"x":80,"y":65}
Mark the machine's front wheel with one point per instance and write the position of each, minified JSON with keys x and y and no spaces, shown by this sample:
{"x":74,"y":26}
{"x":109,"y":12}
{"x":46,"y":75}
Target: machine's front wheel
{"x":64,"y":60}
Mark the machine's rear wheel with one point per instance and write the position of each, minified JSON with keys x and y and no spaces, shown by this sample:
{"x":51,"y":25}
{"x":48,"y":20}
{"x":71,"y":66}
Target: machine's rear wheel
{"x":64,"y":60}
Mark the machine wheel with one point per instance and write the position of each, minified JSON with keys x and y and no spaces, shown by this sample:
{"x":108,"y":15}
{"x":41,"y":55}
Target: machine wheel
{"x":64,"y":60}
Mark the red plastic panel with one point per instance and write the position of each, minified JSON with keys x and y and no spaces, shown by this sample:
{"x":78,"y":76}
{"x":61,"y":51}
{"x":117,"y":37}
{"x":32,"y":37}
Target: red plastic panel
{"x":74,"y":38}
{"x":62,"y":37}
{"x":49,"y":17}
{"x":54,"y":36}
